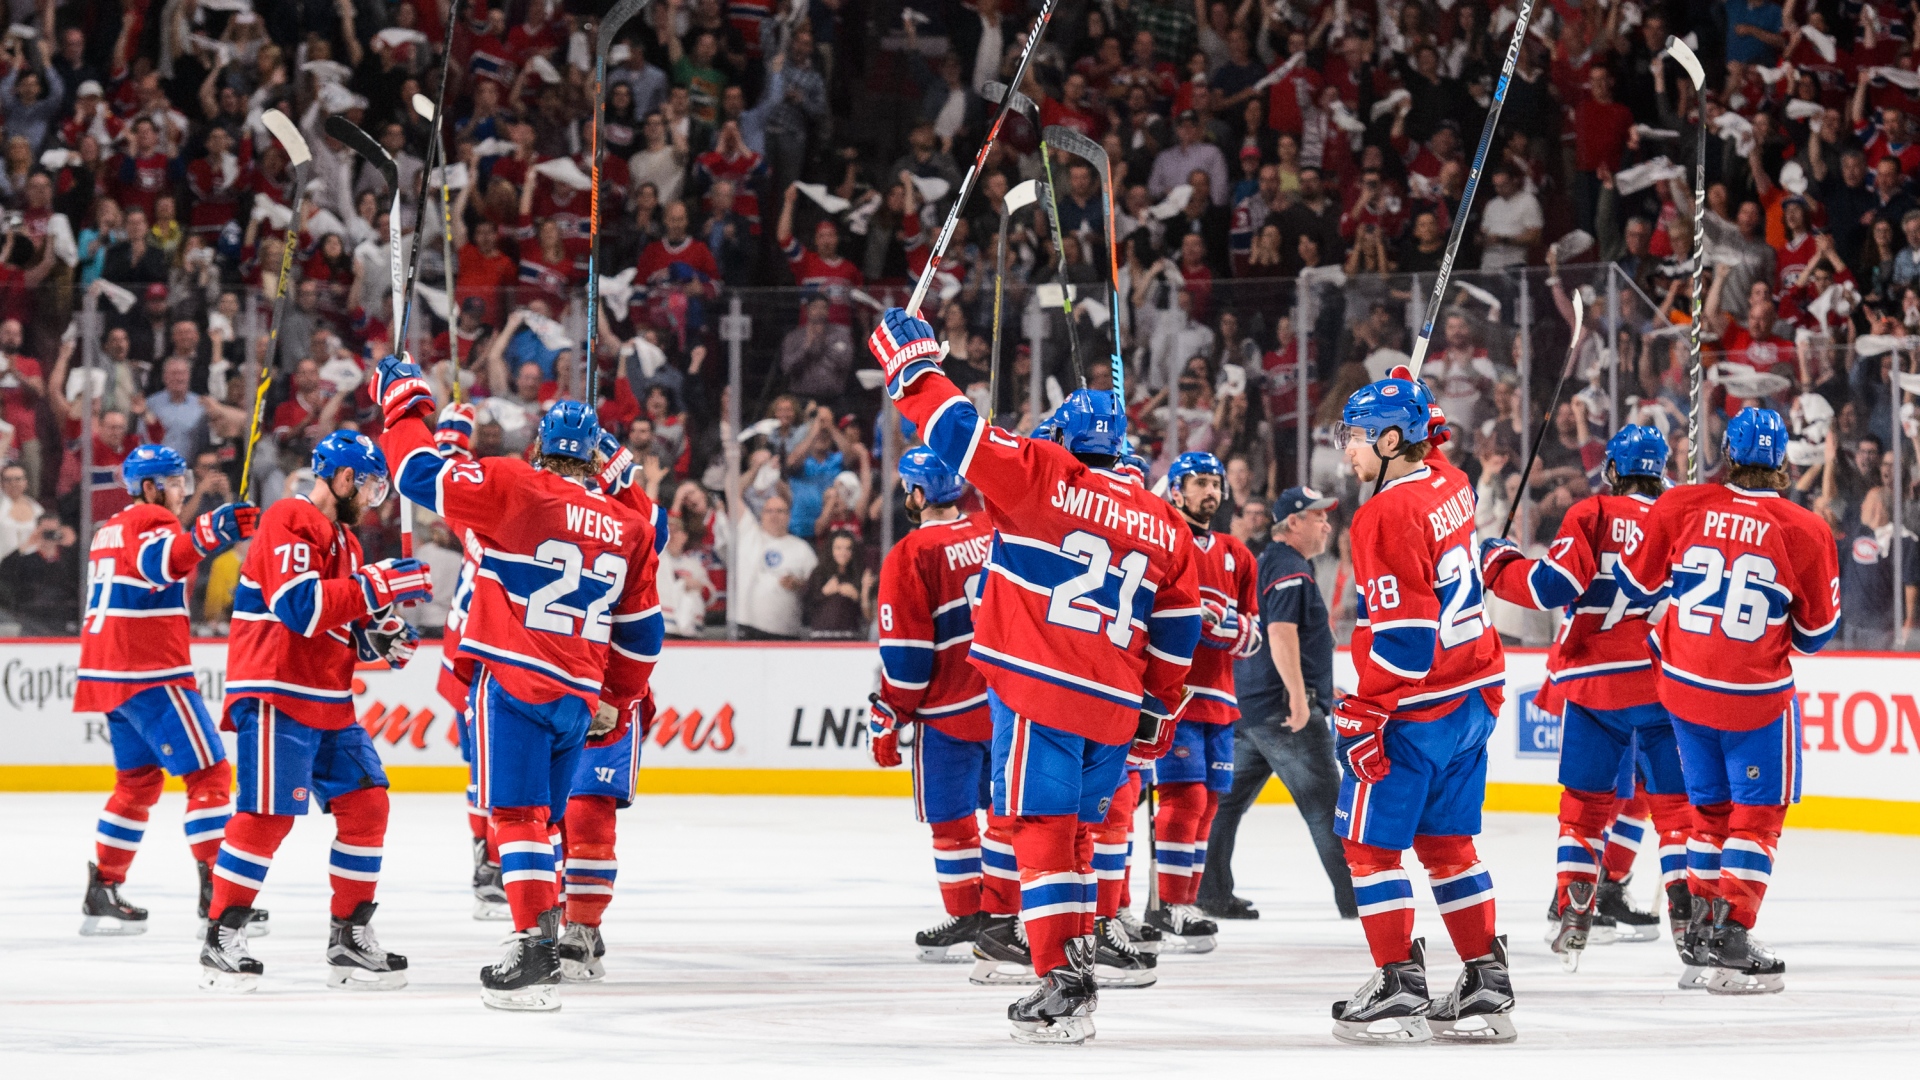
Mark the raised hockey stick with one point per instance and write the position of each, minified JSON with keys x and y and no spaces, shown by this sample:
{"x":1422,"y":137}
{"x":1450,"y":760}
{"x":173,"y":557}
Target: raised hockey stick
{"x":1540,"y":433}
{"x":939,"y":252}
{"x":298,"y":156}
{"x":425,"y":108}
{"x":1695,"y":398}
{"x":420,"y":203}
{"x":609,"y":28}
{"x":1073,"y":142}
{"x":1459,"y":230}
{"x":1016,"y":200}
{"x":994,"y":91}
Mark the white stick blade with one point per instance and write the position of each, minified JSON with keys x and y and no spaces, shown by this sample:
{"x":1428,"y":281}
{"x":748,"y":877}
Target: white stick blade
{"x":1579,"y":318}
{"x":1023,"y":195}
{"x":289,"y":136}
{"x":1679,"y":51}
{"x":423,"y":105}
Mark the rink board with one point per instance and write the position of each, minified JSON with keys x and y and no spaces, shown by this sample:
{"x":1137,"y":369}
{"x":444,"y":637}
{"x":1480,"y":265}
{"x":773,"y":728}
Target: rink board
{"x":773,"y":719}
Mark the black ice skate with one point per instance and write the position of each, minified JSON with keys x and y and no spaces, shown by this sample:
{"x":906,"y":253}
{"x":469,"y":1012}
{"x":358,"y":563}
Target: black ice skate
{"x":1629,"y":922}
{"x":1234,"y":908}
{"x":1116,"y":963}
{"x":489,"y":895}
{"x":1602,"y":932}
{"x":355,"y":960}
{"x":1694,"y":945}
{"x":937,"y":942}
{"x":1000,"y":954}
{"x":1741,"y":965}
{"x":1186,"y":930}
{"x":527,"y":978}
{"x":1146,"y":939}
{"x":1568,"y":936}
{"x":1059,"y":1012}
{"x":1480,"y":1008}
{"x":1679,"y":909}
{"x":105,"y":913}
{"x":257,"y":925}
{"x":1391,"y":1008}
{"x":225,"y":965}
{"x":581,"y":948}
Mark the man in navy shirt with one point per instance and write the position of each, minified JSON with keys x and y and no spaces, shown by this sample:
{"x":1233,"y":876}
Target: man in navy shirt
{"x":1285,"y":691}
{"x":1866,"y":577}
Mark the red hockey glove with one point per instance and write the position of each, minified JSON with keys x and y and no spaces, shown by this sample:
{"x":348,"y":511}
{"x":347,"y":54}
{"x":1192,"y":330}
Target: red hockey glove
{"x":222,"y":527}
{"x":401,"y":390}
{"x":393,"y":638}
{"x":883,"y":732}
{"x":613,"y":474}
{"x":905,"y":348}
{"x":1362,"y":752}
{"x":1252,"y":634}
{"x":1153,"y":736}
{"x":454,"y":434}
{"x":1495,"y":551}
{"x":395,"y":581}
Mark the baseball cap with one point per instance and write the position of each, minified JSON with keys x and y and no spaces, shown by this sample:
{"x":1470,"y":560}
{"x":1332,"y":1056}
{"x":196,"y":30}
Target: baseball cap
{"x":1187,"y":116}
{"x":90,"y":88}
{"x":156,"y":291}
{"x":1296,"y":500}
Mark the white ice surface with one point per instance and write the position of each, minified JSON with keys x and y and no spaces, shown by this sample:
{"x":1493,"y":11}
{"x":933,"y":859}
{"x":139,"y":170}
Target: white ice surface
{"x":772,"y":937}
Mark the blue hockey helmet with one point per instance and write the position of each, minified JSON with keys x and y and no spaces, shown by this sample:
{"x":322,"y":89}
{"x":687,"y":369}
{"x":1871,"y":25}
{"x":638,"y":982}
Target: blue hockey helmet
{"x":1757,"y":437}
{"x":1379,"y":406}
{"x":921,"y":468}
{"x":570,"y":430}
{"x":351,"y":450}
{"x":1637,"y":450}
{"x":1193,"y":463}
{"x":1093,"y":422}
{"x":153,"y":462}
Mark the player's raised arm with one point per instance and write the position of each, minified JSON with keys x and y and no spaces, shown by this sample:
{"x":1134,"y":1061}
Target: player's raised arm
{"x":1554,"y":580}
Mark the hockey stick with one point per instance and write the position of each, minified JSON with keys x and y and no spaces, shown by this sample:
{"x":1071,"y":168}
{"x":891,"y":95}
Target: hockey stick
{"x":1533,"y":451}
{"x":994,"y":91}
{"x":425,"y":108}
{"x":1153,"y":847}
{"x":1459,"y":230}
{"x":939,"y":252}
{"x":420,"y":203}
{"x":1695,"y":399}
{"x":1079,"y":145}
{"x":1013,"y":202}
{"x":609,"y":28}
{"x":298,"y":156}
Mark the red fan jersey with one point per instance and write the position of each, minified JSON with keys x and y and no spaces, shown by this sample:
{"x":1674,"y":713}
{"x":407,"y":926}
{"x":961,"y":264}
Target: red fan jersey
{"x":926,"y":625}
{"x":1748,"y":576}
{"x":292,"y":638}
{"x":1091,"y":607}
{"x":1600,"y":659}
{"x":135,"y":635}
{"x":564,"y":601}
{"x":1228,"y":577}
{"x":1422,"y":639}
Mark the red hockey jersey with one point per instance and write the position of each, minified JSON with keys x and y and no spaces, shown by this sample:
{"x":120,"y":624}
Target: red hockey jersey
{"x":456,"y":672}
{"x":563,"y":602}
{"x":1227,"y":576}
{"x":1422,"y":639}
{"x":1091,"y":607}
{"x":1600,"y":657}
{"x":293,"y":610}
{"x":926,"y":627}
{"x":135,"y":634}
{"x":1748,"y":576}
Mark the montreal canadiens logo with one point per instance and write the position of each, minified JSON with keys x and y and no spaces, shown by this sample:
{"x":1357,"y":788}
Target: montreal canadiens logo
{"x":1865,"y":551}
{"x":299,"y":794}
{"x":1389,"y":391}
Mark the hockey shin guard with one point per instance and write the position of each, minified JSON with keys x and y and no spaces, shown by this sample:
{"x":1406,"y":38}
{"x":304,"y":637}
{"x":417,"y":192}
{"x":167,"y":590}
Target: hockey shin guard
{"x":1704,"y":842}
{"x":526,"y":862}
{"x":1673,"y":819}
{"x":1083,"y":865}
{"x":1463,"y":890}
{"x":1110,"y":848}
{"x":359,"y":835}
{"x":1746,"y":860}
{"x":1584,"y":816}
{"x":1200,"y":841}
{"x":209,"y":805}
{"x":123,"y":823}
{"x":1053,"y":894}
{"x":956,"y":864}
{"x":591,"y":866}
{"x":999,"y":868}
{"x":1175,"y":829}
{"x":557,"y":839}
{"x":1385,"y":898}
{"x":245,"y":856}
{"x":1625,"y":835}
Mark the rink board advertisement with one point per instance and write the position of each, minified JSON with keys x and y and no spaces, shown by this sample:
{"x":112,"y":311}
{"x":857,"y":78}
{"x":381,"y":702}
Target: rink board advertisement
{"x":790,"y":719}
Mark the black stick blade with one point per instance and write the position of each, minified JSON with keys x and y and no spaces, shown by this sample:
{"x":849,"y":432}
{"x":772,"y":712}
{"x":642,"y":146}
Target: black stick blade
{"x":349,"y":134}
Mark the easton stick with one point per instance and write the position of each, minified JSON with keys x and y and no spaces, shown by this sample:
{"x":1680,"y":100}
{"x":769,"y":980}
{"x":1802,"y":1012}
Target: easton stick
{"x":420,"y":203}
{"x":939,"y":252}
{"x":1012,"y":203}
{"x":995,"y":91}
{"x":1540,"y":433}
{"x":1459,"y":230}
{"x":1073,"y":142}
{"x":1695,"y":398}
{"x":425,"y":108}
{"x":298,"y":156}
{"x":609,"y":28}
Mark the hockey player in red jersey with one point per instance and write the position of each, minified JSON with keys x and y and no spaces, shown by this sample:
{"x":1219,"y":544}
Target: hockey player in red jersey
{"x":1085,"y":633}
{"x":1412,"y":737}
{"x":306,"y":610}
{"x":1603,"y":676}
{"x":564,"y":629}
{"x":1199,"y":768}
{"x":926,"y":623}
{"x":1750,"y":578}
{"x":135,"y":667}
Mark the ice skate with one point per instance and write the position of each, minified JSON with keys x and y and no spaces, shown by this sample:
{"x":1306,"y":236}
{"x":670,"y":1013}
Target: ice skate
{"x":1059,"y":1012}
{"x":105,"y":913}
{"x":1741,"y":965}
{"x":936,"y":943}
{"x":257,"y":924}
{"x":1568,"y":937}
{"x":1234,"y":908}
{"x":489,"y":895}
{"x":1694,"y":944}
{"x":225,"y":965}
{"x":1186,"y":930}
{"x":581,"y":948}
{"x":1602,"y":930}
{"x":1390,"y":1009}
{"x":1480,"y":1008}
{"x":1116,"y":963}
{"x":527,"y":978}
{"x":1146,"y":939}
{"x":355,"y":960}
{"x":1000,"y":954}
{"x":1629,"y":922}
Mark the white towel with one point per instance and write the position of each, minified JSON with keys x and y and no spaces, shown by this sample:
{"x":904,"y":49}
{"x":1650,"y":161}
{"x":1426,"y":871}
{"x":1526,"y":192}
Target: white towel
{"x":827,"y":201}
{"x":563,"y":170}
